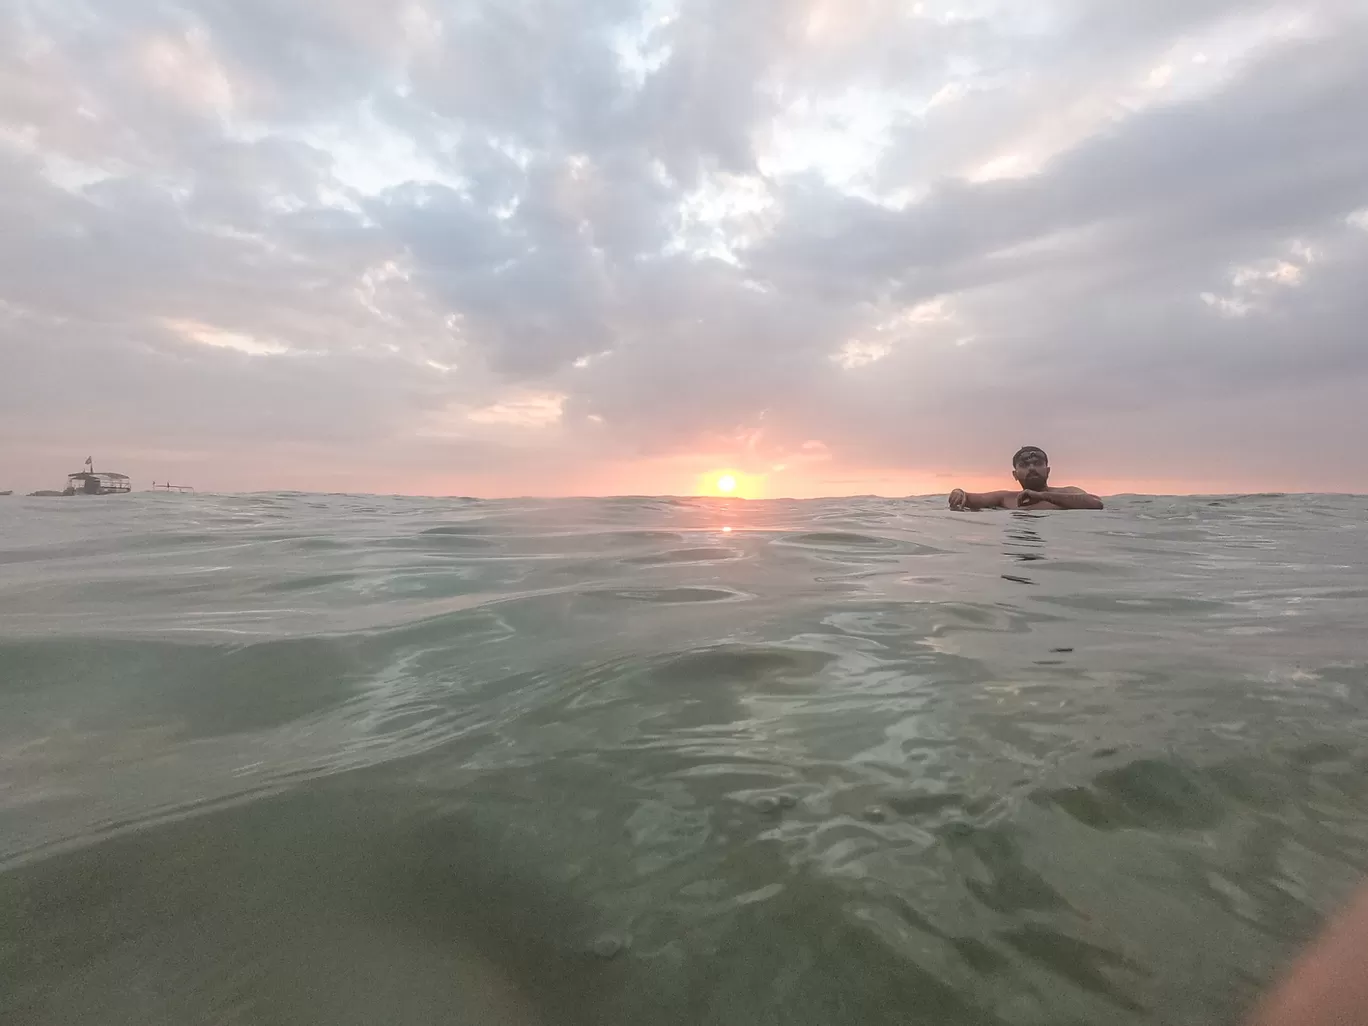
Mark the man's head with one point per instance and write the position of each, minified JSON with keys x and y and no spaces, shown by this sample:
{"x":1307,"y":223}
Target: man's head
{"x":1031,"y":467}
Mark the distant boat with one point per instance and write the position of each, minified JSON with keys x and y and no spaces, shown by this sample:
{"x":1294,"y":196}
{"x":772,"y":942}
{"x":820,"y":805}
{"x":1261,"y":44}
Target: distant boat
{"x":92,"y":482}
{"x":89,"y":482}
{"x":3,"y":494}
{"x":164,"y":487}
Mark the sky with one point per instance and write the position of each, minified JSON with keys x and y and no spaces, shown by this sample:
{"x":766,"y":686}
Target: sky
{"x":570,"y":247}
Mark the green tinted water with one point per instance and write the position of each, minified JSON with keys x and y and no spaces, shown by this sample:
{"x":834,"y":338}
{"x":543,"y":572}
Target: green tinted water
{"x":296,"y":759}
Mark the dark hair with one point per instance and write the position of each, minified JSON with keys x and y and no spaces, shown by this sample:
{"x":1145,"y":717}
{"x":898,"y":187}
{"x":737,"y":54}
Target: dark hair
{"x":1028,"y":449}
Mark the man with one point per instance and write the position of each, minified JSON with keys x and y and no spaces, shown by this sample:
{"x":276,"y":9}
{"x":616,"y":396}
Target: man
{"x":1031,"y":468}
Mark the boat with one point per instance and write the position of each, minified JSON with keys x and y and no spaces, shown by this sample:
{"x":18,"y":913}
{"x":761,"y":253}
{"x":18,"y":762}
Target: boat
{"x":90,"y":482}
{"x":3,"y":494}
{"x":165,"y":487}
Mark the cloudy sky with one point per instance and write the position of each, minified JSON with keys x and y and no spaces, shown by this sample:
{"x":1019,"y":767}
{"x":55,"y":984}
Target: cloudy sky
{"x":507,"y":247}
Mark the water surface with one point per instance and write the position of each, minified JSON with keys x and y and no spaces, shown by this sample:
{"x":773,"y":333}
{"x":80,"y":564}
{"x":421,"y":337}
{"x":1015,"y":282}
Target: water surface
{"x":334,"y":760}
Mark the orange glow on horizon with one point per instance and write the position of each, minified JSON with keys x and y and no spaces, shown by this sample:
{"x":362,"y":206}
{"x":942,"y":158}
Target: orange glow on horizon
{"x":699,"y":473}
{"x":731,"y":484}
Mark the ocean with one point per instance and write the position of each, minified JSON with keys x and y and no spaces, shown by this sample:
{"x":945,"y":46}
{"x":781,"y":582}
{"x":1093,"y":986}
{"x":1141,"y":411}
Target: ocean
{"x":295,"y":759}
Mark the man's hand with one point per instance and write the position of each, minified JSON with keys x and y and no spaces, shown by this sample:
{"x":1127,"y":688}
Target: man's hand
{"x":959,"y":499}
{"x":1029,"y":497}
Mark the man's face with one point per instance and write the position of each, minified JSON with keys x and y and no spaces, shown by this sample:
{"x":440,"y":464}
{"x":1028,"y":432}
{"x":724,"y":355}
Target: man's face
{"x":1032,"y":470}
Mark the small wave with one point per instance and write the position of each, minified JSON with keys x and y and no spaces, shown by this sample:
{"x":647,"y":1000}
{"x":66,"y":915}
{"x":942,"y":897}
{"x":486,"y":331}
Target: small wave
{"x":670,"y":596}
{"x":712,"y":554}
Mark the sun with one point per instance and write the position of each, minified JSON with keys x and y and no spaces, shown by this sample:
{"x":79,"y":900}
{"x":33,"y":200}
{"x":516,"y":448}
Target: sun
{"x":729,"y":483}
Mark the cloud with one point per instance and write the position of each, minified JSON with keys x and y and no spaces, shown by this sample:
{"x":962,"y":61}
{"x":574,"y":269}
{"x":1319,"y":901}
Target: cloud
{"x":567,"y":246}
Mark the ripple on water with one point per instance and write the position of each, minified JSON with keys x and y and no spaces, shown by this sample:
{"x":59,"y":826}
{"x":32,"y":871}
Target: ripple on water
{"x":745,"y":664}
{"x":199,"y":691}
{"x":455,"y":530}
{"x":845,"y":541}
{"x":1153,"y":794}
{"x":311,"y":583}
{"x":699,"y":554}
{"x":671,"y":596}
{"x":439,"y":539}
{"x":633,"y":537}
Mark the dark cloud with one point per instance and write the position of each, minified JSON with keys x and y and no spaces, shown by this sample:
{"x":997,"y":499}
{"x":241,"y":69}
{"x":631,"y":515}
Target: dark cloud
{"x":523,"y":243}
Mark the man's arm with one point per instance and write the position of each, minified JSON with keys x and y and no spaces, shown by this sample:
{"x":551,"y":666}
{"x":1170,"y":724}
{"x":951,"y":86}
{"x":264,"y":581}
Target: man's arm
{"x":1065,"y":498}
{"x":960,"y":499}
{"x":1329,"y":984}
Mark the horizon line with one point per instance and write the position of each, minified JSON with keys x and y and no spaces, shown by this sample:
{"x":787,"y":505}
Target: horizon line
{"x":693,"y":497}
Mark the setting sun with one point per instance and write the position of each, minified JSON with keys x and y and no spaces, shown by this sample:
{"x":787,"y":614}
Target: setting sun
{"x":730,"y":484}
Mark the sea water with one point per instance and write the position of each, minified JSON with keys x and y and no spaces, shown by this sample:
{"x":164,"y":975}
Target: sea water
{"x":341,"y":760}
